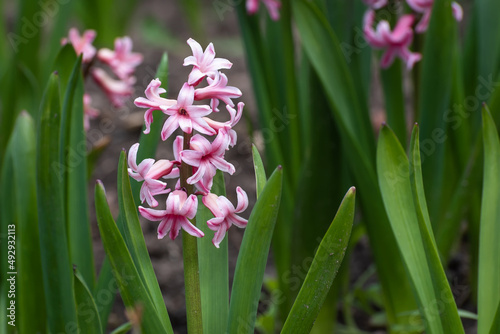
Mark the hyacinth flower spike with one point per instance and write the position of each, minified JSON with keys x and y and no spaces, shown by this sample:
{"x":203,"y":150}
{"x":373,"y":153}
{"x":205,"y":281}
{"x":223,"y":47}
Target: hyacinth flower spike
{"x":425,"y":8}
{"x":153,"y":101}
{"x":89,"y":112}
{"x":396,"y":42}
{"x":185,"y":115}
{"x":179,"y":209}
{"x":272,"y":6}
{"x":149,"y":171}
{"x":207,"y":158}
{"x":204,"y":63}
{"x":225,"y":213}
{"x":122,"y":60}
{"x":82,"y":45}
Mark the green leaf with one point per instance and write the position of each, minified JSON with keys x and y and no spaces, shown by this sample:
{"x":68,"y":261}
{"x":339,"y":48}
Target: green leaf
{"x":252,"y":259}
{"x":323,"y":270}
{"x":31,"y":299}
{"x":123,"y":329}
{"x":73,"y":156}
{"x":105,"y":292}
{"x":412,"y":230}
{"x":392,"y":81}
{"x":134,"y":239}
{"x":495,"y":326}
{"x":128,"y":279}
{"x":59,"y":296}
{"x":435,"y":93}
{"x":214,"y":271}
{"x":489,"y":247}
{"x":64,"y":65}
{"x":260,"y":172}
{"x":88,"y":316}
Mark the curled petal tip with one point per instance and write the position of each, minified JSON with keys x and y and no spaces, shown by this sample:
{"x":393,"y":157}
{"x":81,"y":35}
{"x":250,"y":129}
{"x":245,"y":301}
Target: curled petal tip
{"x":280,"y":167}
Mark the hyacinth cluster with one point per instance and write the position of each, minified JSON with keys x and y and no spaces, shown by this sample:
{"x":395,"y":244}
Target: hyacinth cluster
{"x":396,"y":42}
{"x":121,"y":61}
{"x":193,"y":152}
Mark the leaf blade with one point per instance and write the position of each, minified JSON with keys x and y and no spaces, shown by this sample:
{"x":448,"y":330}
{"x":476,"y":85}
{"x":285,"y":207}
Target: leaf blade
{"x":323,"y":269}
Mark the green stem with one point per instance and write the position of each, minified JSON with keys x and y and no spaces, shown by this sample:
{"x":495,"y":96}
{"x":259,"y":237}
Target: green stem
{"x":190,"y":257}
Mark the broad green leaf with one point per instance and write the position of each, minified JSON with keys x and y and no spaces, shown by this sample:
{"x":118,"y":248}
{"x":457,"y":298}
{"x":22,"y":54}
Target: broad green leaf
{"x":136,"y":245}
{"x":60,"y":301}
{"x":323,"y":270}
{"x":86,"y":310}
{"x":495,"y":326}
{"x":105,"y":292}
{"x":149,"y":142}
{"x":64,"y":64}
{"x":434,"y":99}
{"x":413,"y":234}
{"x":260,"y":172}
{"x":31,"y":299}
{"x":73,"y":169}
{"x":214,"y":271}
{"x":392,"y":81}
{"x":128,"y":279}
{"x":489,"y":247}
{"x":252,"y":258}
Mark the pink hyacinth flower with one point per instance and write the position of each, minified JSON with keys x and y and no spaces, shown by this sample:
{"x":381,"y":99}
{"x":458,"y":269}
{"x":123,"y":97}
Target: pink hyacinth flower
{"x":225,"y":213}
{"x":122,"y":60}
{"x":425,"y":8}
{"x":81,"y":44}
{"x":153,"y":101}
{"x":179,"y":209}
{"x":88,"y":111}
{"x":217,"y":90}
{"x":207,"y":158}
{"x":118,"y":91}
{"x":186,"y":115}
{"x":235,"y":118}
{"x":204,"y":63}
{"x":376,"y":4}
{"x":395,"y":42}
{"x":149,"y":171}
{"x":272,"y":6}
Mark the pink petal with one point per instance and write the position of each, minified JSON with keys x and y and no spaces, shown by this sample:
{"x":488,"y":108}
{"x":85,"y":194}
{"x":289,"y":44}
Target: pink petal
{"x":132,"y":156}
{"x":170,"y":125}
{"x":192,"y":158}
{"x":152,"y":214}
{"x":178,"y":145}
{"x":237,"y":221}
{"x":201,"y":126}
{"x":219,"y":236}
{"x":191,"y":229}
{"x":242,"y":200}
{"x":202,"y":169}
{"x":177,"y":223}
{"x":190,"y":207}
{"x":196,"y":48}
{"x":210,"y":201}
{"x":222,"y":165}
{"x":215,"y":223}
{"x":186,"y":124}
{"x":186,"y":96}
{"x":200,"y":144}
{"x":458,"y":12}
{"x":164,"y":227}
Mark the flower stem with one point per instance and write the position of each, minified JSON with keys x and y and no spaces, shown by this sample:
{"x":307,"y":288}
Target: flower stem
{"x":190,"y":257}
